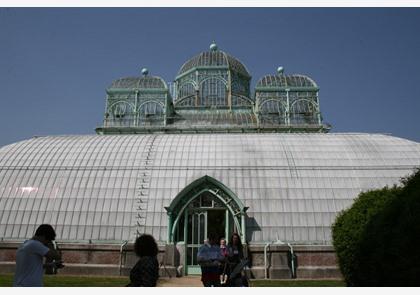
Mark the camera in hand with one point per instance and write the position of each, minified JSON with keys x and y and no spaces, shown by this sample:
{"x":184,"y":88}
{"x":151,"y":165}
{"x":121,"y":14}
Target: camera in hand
{"x":58,"y":264}
{"x":51,"y":267}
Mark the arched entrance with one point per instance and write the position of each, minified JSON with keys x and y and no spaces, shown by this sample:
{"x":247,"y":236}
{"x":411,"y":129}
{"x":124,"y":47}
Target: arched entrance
{"x":205,"y":205}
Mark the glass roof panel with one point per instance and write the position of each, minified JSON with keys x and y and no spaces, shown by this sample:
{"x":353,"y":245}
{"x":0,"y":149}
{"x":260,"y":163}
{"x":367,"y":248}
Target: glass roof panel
{"x":109,"y":187}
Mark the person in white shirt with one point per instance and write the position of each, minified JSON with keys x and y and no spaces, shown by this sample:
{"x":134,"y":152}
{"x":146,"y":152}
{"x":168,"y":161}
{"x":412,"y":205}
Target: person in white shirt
{"x":30,"y":255}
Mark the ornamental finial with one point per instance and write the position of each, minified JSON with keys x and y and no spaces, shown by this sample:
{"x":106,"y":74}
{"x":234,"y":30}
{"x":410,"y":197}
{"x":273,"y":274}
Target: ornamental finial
{"x":213,"y":46}
{"x":144,"y":71}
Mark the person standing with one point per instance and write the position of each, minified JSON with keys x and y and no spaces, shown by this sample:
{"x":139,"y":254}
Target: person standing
{"x":223,"y":267}
{"x":223,"y":247}
{"x":209,"y":257}
{"x":235,"y":258}
{"x":30,"y":255}
{"x":146,"y":271}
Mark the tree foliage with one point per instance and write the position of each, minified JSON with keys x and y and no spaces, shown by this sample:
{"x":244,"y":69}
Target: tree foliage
{"x":377,"y":239}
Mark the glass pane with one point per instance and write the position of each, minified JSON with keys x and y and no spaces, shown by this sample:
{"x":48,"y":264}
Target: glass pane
{"x":201,"y":235}
{"x":189,"y":256}
{"x":189,"y":239}
{"x":196,"y":228}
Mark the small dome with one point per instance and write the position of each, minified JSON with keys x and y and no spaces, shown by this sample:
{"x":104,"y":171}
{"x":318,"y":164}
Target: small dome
{"x":214,"y":58}
{"x":145,"y":82}
{"x":286,"y":81}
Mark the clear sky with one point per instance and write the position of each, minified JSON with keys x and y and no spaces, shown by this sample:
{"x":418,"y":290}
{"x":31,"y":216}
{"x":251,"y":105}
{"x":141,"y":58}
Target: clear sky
{"x":56,"y":63}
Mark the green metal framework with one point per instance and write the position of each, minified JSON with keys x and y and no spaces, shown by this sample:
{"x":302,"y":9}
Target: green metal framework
{"x":137,"y":102}
{"x":287,"y":100}
{"x":211,"y":93}
{"x":213,"y":79}
{"x":213,"y":188}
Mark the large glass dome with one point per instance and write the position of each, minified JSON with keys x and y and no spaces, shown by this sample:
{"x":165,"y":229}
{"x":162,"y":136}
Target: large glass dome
{"x":213,"y":79}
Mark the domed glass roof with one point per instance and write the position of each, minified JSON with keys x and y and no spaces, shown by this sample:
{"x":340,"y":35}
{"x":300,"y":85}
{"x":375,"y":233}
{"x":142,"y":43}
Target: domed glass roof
{"x":145,"y":82}
{"x":294,"y":184}
{"x":215,"y":58}
{"x":286,"y":81}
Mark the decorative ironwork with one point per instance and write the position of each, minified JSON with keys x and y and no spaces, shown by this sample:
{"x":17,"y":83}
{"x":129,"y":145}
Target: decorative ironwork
{"x":205,"y":191}
{"x":287,"y":100}
{"x":213,"y":77}
{"x":212,"y":93}
{"x":138,"y":101}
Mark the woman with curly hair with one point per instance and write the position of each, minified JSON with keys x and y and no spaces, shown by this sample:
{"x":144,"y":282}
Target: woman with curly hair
{"x":146,"y":271}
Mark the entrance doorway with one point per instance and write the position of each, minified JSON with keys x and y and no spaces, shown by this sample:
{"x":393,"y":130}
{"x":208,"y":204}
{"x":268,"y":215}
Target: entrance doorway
{"x":205,"y":206}
{"x":216,"y":222}
{"x":206,"y":214}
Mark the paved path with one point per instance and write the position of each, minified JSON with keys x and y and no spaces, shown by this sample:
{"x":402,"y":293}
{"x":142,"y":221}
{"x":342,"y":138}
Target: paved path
{"x":186,"y":281}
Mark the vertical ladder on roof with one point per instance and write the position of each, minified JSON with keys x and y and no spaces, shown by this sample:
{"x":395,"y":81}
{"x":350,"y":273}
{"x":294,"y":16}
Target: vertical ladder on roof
{"x":143,"y":189}
{"x":291,"y":163}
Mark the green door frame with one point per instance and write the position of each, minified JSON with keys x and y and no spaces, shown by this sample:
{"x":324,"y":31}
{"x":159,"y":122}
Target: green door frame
{"x":218,"y":190}
{"x":179,"y":209}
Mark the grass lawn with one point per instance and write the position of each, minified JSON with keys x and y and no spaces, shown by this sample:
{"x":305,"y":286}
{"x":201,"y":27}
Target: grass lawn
{"x":6,"y":280}
{"x":297,"y":283}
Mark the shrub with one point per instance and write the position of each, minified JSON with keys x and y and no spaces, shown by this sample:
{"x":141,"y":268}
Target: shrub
{"x":389,"y":248}
{"x":348,"y":229}
{"x":377,"y":239}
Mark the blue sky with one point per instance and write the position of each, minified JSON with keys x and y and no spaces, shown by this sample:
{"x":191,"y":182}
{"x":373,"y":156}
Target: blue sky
{"x":55,"y":63}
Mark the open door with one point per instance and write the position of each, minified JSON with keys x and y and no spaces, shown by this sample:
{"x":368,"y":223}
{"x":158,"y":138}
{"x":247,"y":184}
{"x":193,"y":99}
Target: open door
{"x":202,"y":207}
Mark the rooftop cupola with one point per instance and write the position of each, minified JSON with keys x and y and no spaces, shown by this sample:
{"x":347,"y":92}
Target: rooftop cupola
{"x":213,"y":79}
{"x":136,"y":102}
{"x":291,"y":101}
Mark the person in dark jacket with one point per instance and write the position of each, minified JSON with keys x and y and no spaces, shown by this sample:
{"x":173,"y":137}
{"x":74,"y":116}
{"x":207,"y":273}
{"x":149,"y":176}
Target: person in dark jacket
{"x":235,"y":250}
{"x":146,"y":271}
{"x":234,"y":258}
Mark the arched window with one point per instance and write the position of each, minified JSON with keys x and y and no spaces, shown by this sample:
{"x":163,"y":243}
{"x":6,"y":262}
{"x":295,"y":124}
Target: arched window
{"x":120,"y":114}
{"x":151,"y":112}
{"x":186,"y":90}
{"x":213,"y":92}
{"x":272,"y":112}
{"x":121,"y":109}
{"x":303,"y":112}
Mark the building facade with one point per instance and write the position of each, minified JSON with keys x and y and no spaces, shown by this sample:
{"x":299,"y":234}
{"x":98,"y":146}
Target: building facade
{"x":207,"y":156}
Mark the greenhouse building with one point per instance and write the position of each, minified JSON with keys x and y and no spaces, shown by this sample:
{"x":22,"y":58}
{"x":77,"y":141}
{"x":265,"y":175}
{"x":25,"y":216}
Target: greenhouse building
{"x":202,"y":154}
